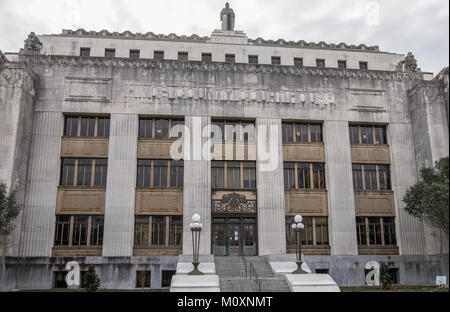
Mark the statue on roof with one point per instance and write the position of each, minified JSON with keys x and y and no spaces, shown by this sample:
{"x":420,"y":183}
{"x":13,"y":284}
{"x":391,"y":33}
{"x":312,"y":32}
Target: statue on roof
{"x":409,"y":64}
{"x":227,"y":18}
{"x":32,"y":45}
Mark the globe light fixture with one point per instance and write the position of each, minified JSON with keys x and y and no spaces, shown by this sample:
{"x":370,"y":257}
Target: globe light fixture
{"x":298,"y":228}
{"x":196,"y":228}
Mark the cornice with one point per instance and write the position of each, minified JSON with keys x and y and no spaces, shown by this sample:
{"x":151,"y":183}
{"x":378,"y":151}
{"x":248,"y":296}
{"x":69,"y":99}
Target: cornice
{"x":166,"y":65}
{"x":205,"y":39}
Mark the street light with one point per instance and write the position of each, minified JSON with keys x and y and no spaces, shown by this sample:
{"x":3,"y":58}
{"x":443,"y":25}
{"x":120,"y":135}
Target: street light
{"x":298,"y":228}
{"x":196,"y":228}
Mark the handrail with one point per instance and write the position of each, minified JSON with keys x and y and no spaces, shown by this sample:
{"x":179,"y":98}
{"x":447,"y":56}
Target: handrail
{"x":250,"y":272}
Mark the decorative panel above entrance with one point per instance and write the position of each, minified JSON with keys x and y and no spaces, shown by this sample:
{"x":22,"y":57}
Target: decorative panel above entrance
{"x":233,"y":202}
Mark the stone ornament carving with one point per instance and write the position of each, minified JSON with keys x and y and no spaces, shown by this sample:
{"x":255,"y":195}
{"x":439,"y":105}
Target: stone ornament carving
{"x":32,"y":46}
{"x":204,"y":39}
{"x":18,"y":79}
{"x":409,"y":64}
{"x":234,"y":203}
{"x":2,"y":58}
{"x":227,"y":18}
{"x":170,"y":65}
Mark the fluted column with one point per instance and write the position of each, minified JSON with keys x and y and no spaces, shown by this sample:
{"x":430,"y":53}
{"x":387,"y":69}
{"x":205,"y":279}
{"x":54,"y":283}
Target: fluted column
{"x":197,"y":182}
{"x":121,"y":186}
{"x":39,"y":210}
{"x":410,"y":231}
{"x":341,"y":202}
{"x":270,"y":185}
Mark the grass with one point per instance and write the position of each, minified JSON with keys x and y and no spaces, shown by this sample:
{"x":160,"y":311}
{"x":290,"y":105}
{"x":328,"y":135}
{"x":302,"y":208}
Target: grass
{"x":394,"y":288}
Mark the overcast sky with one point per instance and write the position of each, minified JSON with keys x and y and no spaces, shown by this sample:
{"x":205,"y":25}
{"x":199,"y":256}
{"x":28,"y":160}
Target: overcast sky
{"x":419,"y":26}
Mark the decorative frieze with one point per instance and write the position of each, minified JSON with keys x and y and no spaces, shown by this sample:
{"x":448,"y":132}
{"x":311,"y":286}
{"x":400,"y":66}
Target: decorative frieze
{"x":233,"y":202}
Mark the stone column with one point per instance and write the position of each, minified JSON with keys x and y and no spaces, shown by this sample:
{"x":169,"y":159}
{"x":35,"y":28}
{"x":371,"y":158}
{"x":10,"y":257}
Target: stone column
{"x":410,"y":231}
{"x":121,"y":186}
{"x":38,"y":224}
{"x":270,"y":186}
{"x":339,"y":182}
{"x":197,"y":183}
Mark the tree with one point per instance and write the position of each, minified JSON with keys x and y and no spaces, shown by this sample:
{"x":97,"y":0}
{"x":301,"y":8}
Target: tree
{"x":428,"y":198}
{"x":90,"y":282}
{"x":9,"y":210}
{"x":385,"y":276}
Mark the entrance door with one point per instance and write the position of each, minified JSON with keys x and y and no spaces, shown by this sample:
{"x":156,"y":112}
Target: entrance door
{"x":234,"y":239}
{"x":232,"y":236}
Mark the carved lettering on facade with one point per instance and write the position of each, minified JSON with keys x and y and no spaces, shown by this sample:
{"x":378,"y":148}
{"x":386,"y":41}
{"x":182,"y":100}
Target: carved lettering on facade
{"x":150,"y":93}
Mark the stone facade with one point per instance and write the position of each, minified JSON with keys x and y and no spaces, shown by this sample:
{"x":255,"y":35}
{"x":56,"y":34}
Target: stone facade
{"x":51,"y":81}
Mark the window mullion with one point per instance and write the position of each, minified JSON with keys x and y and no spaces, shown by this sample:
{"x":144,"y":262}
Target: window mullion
{"x":363,"y":177}
{"x":296,"y":175}
{"x":152,"y":173}
{"x":75,"y":174}
{"x":382,"y":231}
{"x":166,"y":243}
{"x":366,"y":220}
{"x":314,"y":231}
{"x":311,"y":176}
{"x":88,"y":234}
{"x":71,"y":230}
{"x":150,"y":230}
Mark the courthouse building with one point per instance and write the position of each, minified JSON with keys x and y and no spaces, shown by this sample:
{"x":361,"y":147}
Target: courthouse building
{"x":89,"y":128}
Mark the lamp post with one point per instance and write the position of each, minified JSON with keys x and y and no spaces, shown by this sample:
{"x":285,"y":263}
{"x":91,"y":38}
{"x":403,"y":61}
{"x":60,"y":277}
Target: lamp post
{"x":298,"y":228}
{"x":196,"y":228}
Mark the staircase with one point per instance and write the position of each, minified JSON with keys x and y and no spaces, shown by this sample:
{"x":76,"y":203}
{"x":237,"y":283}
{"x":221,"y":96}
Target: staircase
{"x":232,"y":277}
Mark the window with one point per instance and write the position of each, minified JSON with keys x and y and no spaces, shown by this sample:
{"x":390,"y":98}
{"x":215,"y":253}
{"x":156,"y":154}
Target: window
{"x":143,"y":278}
{"x":135,"y":54}
{"x":233,"y":174}
{"x":158,"y":231}
{"x":97,"y":230}
{"x":158,"y":55}
{"x":160,"y":173}
{"x":371,"y":177}
{"x":230,"y":130}
{"x":141,"y":230}
{"x":86,"y":126}
{"x":182,"y":56}
{"x":159,"y":128}
{"x":298,"y":61}
{"x":62,"y":230}
{"x":363,"y":65}
{"x":59,"y":279}
{"x":253,"y":59}
{"x":276,"y":60}
{"x":229,"y":58}
{"x":367,"y":134}
{"x":342,"y":64}
{"x":376,"y":231}
{"x":249,"y":174}
{"x":79,"y":230}
{"x":176,"y":173}
{"x":167,"y":278}
{"x":207,"y":57}
{"x":320,"y":63}
{"x":304,"y":176}
{"x":86,"y":52}
{"x":321,"y":271}
{"x":143,"y":174}
{"x":315,"y":232}
{"x":301,"y":132}
{"x":84,"y":171}
{"x":175,"y":230}
{"x":110,"y":53}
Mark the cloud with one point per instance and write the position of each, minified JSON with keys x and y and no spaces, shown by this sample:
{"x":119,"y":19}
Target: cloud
{"x":417,"y":26}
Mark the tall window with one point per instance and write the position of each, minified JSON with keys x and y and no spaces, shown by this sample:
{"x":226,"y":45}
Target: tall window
{"x":175,"y":230}
{"x":315,"y":232}
{"x":376,"y":231}
{"x":158,"y":230}
{"x":84,"y":171}
{"x":230,"y":130}
{"x":206,"y":57}
{"x":79,"y":230}
{"x":141,"y":230}
{"x":304,"y":175}
{"x":86,"y":126}
{"x":371,"y":177}
{"x":158,"y":128}
{"x":301,"y":132}
{"x":159,"y":173}
{"x":233,"y":174}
